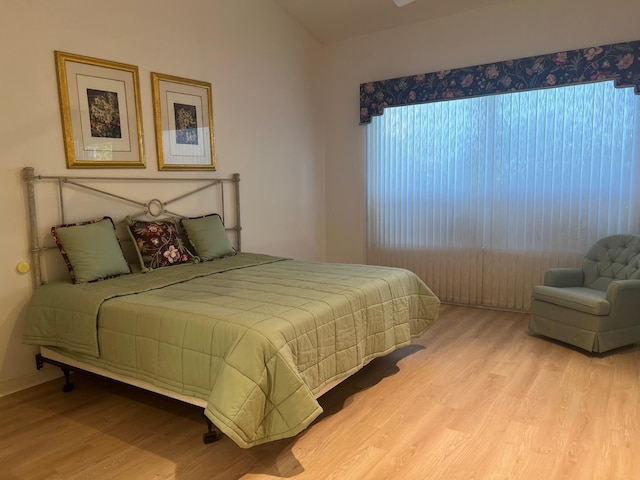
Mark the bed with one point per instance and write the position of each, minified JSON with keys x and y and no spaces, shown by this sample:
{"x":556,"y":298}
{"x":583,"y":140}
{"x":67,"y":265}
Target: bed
{"x":253,"y":339}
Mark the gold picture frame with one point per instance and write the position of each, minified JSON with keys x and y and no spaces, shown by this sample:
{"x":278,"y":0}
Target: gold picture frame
{"x":183,"y":115}
{"x":100,"y":110}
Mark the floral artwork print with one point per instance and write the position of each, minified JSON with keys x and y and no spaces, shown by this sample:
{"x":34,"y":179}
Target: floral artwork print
{"x":618,"y":62}
{"x":159,"y":244}
{"x":104,"y":114}
{"x":186,"y":124}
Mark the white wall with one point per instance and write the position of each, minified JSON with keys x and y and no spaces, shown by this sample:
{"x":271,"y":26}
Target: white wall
{"x":264,"y":69}
{"x":501,"y":32}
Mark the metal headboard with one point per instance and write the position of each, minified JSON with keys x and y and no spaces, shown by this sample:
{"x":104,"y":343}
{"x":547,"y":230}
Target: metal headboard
{"x":153,"y":208}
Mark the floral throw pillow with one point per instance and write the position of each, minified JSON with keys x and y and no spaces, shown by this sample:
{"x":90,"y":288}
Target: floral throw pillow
{"x":158,"y":244}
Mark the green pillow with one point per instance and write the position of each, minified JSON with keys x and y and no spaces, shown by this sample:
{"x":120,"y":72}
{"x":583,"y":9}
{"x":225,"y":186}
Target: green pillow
{"x":208,"y":236}
{"x":91,"y":250}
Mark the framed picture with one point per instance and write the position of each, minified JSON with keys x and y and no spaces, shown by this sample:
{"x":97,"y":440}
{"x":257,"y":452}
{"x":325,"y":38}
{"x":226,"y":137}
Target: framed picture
{"x":183,"y":123}
{"x":100,"y":109}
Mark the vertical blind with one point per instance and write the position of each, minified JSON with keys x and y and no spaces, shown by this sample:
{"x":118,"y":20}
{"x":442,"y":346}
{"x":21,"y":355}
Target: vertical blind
{"x":480,"y":196}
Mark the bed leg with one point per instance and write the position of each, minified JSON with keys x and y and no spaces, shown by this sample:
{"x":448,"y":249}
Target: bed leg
{"x":213,"y":434}
{"x":68,"y":385}
{"x":39,"y":361}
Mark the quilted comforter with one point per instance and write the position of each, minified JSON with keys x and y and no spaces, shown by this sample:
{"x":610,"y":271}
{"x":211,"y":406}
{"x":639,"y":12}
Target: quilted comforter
{"x":255,"y":336}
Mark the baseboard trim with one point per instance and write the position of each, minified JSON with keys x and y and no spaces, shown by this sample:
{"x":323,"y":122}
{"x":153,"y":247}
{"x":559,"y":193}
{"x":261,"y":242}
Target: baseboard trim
{"x":13,"y":385}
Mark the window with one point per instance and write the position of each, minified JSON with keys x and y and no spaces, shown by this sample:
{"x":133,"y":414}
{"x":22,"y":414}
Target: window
{"x":480,"y":195}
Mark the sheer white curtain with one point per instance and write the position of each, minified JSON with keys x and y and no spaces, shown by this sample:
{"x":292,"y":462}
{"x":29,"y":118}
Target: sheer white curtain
{"x":480,"y":196}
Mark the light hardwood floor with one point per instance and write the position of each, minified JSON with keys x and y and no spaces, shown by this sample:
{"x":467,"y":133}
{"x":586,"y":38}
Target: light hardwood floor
{"x":476,"y":397}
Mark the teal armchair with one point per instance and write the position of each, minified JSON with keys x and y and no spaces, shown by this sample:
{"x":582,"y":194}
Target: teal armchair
{"x":596,"y":307}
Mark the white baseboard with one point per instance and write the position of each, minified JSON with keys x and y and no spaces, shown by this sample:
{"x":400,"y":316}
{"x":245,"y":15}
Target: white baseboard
{"x":23,"y":382}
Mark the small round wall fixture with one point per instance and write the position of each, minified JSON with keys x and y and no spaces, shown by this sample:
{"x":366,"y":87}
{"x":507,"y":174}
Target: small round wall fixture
{"x":23,"y":267}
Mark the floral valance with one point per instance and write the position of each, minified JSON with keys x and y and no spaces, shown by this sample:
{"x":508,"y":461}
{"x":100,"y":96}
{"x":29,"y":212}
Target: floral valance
{"x":619,"y":62}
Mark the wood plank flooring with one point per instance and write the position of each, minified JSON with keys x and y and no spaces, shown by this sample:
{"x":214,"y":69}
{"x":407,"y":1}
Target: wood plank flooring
{"x":476,"y":397}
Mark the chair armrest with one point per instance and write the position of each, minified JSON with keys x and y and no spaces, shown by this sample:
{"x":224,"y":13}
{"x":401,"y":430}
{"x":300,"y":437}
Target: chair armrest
{"x":624,"y":296}
{"x":564,"y":277}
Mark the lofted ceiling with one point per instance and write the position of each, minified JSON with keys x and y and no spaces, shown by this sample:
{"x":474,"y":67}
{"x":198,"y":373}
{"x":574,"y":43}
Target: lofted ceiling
{"x":333,"y":20}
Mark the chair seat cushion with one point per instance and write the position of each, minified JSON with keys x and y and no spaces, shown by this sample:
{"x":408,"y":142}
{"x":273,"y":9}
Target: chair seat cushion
{"x":582,"y":299}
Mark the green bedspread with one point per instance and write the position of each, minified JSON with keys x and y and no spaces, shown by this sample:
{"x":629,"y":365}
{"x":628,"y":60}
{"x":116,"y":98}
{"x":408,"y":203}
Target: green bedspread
{"x":255,"y":336}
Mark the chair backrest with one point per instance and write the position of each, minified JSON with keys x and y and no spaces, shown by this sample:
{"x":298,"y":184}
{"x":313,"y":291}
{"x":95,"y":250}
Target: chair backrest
{"x":612,"y":258}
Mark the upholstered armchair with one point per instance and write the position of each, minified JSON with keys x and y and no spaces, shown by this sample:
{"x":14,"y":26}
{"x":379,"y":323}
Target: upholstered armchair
{"x":596,"y":307}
